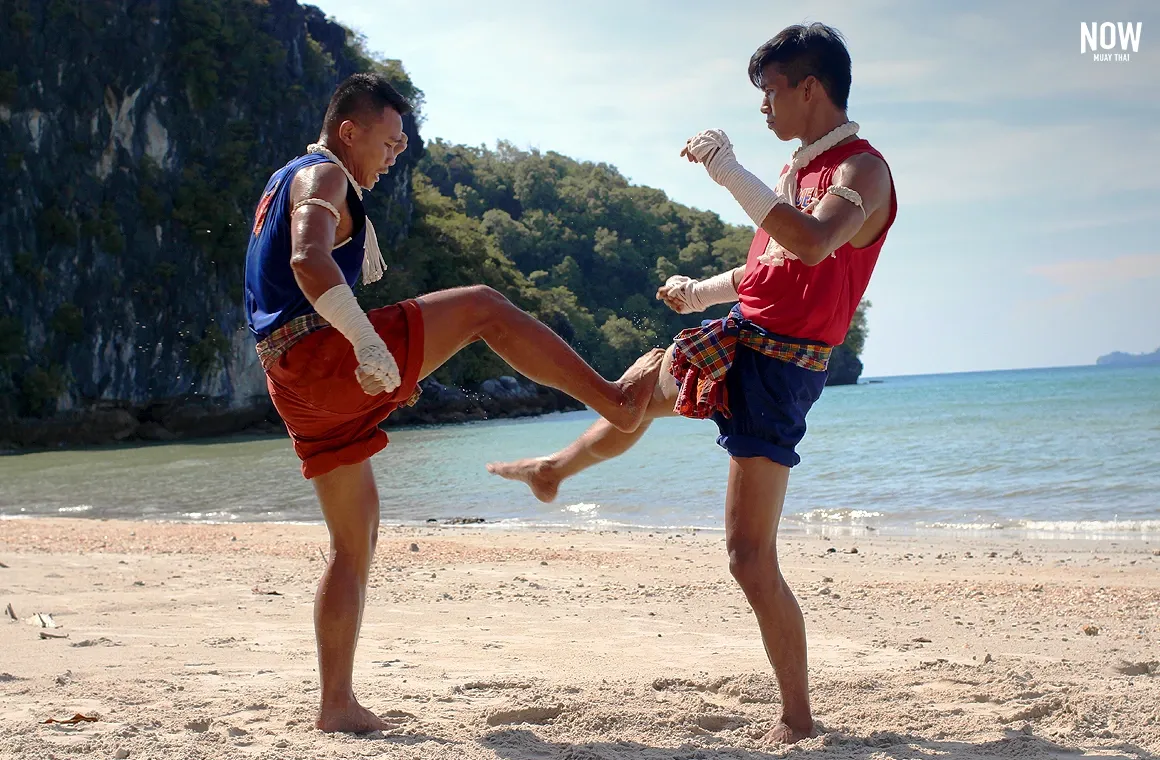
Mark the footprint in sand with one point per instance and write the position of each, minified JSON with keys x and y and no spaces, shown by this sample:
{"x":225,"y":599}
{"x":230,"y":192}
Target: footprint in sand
{"x":1137,"y":668}
{"x":720,"y":722}
{"x":222,"y":641}
{"x":1036,"y":711}
{"x":491,"y":686}
{"x":535,"y":714}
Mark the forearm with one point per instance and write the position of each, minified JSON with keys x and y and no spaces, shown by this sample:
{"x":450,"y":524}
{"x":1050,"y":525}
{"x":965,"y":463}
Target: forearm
{"x":798,"y":232}
{"x":686,"y":295}
{"x":323,"y":284}
{"x":315,"y":271}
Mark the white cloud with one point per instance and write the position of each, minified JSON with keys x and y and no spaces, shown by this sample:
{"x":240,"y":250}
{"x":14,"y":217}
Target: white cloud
{"x":989,"y":159}
{"x":1085,"y":275}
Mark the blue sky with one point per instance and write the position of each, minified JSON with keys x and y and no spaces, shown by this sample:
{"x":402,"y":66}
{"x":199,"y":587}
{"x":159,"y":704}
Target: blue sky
{"x":1028,"y":174}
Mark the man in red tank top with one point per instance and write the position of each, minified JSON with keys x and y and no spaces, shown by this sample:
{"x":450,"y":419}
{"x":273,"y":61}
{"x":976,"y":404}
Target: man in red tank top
{"x":757,"y":372}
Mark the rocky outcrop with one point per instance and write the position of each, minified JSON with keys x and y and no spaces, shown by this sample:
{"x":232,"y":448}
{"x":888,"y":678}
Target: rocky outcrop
{"x":201,"y":417}
{"x":498,"y":398}
{"x":845,"y":367}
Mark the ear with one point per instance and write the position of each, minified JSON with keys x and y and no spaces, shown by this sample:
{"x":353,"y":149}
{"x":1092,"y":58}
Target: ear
{"x":346,"y":131}
{"x":810,"y":87}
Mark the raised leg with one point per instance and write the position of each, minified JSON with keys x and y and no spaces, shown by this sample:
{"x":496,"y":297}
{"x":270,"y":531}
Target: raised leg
{"x":453,"y":319}
{"x":600,"y":442}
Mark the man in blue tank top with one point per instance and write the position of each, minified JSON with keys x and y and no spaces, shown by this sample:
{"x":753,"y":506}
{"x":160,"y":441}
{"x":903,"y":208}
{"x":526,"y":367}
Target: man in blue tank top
{"x":335,"y":372}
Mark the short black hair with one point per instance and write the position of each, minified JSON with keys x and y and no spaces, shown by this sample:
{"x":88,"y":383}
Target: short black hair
{"x":363,"y":94}
{"x":800,"y":51}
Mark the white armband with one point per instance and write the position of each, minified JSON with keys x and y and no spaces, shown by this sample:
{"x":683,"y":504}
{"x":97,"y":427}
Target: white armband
{"x":849,"y":194}
{"x":317,"y":202}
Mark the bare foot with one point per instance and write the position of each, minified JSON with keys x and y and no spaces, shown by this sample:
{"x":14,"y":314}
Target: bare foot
{"x":350,"y":718}
{"x":538,"y":474}
{"x":637,"y":384}
{"x":783,"y":734}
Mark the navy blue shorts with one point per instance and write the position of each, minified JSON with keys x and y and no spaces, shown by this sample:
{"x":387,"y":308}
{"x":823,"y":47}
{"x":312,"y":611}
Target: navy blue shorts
{"x":768,"y":401}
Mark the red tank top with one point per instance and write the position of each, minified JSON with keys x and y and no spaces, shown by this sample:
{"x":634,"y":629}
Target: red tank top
{"x":813,"y":303}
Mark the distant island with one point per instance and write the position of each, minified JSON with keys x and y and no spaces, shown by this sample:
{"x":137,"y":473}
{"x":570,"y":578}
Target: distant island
{"x":1121,"y":359}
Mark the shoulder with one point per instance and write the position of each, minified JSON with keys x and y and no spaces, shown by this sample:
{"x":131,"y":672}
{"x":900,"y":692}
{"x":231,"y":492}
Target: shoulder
{"x":865,"y":164}
{"x":865,"y":172}
{"x":323,"y":180}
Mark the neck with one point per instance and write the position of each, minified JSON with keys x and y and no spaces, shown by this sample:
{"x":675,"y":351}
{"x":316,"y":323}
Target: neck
{"x":822,"y":123}
{"x":335,"y":149}
{"x":334,"y":146}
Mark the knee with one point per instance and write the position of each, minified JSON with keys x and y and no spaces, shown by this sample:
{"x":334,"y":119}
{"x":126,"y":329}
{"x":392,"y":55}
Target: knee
{"x":752,"y":563}
{"x":356,"y":546}
{"x":485,"y":298}
{"x":487,"y":305}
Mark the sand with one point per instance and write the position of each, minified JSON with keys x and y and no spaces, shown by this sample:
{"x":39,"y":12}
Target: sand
{"x":196,"y":641}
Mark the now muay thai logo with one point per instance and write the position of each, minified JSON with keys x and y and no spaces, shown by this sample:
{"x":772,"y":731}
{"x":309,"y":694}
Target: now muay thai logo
{"x":1103,"y":39}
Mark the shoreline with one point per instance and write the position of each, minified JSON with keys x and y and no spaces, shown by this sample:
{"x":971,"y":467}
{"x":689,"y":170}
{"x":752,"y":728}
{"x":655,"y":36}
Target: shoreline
{"x":1092,"y":531}
{"x":195,"y":418}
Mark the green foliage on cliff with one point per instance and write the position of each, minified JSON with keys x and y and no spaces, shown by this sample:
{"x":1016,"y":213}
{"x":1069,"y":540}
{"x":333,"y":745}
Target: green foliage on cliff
{"x":856,"y":337}
{"x":206,"y":355}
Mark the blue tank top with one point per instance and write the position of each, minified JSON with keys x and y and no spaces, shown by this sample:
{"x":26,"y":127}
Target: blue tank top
{"x":272,"y":295}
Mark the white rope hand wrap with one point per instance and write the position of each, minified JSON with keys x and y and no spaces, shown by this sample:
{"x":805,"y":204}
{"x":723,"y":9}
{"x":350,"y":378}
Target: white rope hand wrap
{"x":697,"y":295}
{"x":339,"y":307}
{"x":373,"y":263}
{"x":713,"y":149}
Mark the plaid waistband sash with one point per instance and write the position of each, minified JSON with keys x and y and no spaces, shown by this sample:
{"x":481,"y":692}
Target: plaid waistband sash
{"x":271,"y":348}
{"x":703,"y":355}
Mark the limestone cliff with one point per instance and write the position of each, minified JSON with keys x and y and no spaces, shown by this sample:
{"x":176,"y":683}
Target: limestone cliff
{"x":137,"y":136}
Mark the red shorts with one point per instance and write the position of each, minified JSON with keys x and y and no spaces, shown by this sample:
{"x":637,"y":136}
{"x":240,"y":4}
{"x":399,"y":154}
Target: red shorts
{"x":330,"y":418}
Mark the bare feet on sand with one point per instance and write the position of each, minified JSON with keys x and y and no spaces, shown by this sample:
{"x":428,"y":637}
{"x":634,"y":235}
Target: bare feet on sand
{"x":637,"y":385}
{"x":783,"y":734}
{"x":350,"y":717}
{"x":539,"y":474}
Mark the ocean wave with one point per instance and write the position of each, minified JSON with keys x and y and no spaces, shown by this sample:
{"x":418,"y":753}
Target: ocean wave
{"x":1059,"y":528}
{"x":592,"y":524}
{"x":211,"y":517}
{"x":77,"y":509}
{"x":834,"y":516}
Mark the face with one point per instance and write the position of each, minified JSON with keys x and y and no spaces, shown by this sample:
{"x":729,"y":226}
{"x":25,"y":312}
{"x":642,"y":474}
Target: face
{"x":785,"y":107}
{"x":373,"y":146}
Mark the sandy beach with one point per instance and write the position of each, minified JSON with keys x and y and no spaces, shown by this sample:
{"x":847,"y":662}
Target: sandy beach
{"x":196,"y":641}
